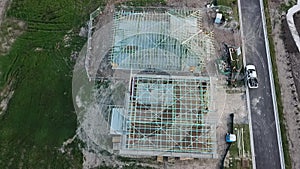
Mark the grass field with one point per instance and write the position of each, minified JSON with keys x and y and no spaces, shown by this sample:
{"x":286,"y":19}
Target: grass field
{"x":40,"y":115}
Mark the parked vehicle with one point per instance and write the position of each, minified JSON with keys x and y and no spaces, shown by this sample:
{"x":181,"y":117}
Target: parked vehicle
{"x":251,"y":77}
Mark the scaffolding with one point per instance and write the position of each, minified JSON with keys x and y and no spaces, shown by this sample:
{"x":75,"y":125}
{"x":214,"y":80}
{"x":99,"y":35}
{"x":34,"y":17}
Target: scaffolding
{"x":167,"y":115}
{"x":170,"y":40}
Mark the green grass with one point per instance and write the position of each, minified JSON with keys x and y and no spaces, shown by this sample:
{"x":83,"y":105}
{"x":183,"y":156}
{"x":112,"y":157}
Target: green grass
{"x":41,"y":115}
{"x":232,"y":4}
{"x":285,"y":144}
{"x":233,"y":151}
{"x":237,"y":60}
{"x":227,"y":2}
{"x":284,"y":7}
{"x":246,"y":136}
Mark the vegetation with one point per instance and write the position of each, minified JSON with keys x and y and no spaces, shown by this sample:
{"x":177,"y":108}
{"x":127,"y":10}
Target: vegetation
{"x":226,"y":2}
{"x":40,"y":116}
{"x":235,"y":161}
{"x":277,"y":89}
{"x":9,"y":30}
{"x":284,"y":7}
{"x":229,"y":3}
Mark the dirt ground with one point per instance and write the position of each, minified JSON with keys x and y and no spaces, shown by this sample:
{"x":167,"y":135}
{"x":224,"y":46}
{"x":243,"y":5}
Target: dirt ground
{"x":288,"y":62}
{"x":295,"y":60}
{"x":6,"y":93}
{"x":3,"y":5}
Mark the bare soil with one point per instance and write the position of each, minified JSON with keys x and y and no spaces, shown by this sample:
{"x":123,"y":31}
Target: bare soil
{"x":288,"y":62}
{"x":3,"y":6}
{"x":287,"y":37}
{"x":295,"y":60}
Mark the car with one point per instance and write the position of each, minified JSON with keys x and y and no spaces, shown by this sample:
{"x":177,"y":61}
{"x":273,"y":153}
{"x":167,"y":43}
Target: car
{"x":251,"y":77}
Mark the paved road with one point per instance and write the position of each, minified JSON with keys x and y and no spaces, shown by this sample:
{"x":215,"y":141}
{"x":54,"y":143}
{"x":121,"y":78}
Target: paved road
{"x":261,"y":103}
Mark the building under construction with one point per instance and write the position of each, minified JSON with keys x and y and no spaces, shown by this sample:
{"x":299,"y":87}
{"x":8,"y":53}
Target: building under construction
{"x":166,"y":113}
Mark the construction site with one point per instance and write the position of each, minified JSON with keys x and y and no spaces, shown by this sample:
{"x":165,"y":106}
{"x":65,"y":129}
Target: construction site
{"x":167,"y":108}
{"x":161,"y":90}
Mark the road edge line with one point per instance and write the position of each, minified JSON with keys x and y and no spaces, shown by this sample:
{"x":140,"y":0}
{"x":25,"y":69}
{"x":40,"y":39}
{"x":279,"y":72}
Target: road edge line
{"x":282,"y":163}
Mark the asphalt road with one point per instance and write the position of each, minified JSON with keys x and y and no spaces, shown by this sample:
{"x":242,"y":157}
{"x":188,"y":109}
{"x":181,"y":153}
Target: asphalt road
{"x":261,"y":103}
